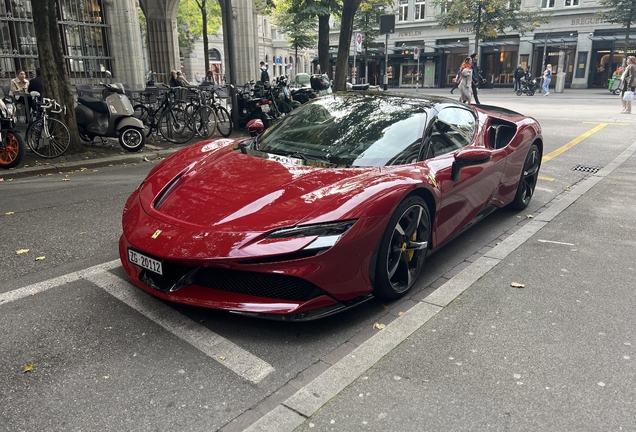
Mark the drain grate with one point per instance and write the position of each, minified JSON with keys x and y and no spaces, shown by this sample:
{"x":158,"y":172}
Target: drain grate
{"x":587,"y":169}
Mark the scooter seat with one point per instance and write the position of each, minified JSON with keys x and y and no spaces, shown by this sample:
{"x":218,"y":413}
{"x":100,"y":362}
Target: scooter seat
{"x":95,"y":104}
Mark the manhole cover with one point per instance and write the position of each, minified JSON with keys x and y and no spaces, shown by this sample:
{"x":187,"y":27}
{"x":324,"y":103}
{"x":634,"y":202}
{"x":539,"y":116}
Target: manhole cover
{"x":587,"y":169}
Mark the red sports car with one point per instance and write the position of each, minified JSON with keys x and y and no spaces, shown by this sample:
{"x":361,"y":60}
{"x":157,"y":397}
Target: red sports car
{"x":339,"y":202}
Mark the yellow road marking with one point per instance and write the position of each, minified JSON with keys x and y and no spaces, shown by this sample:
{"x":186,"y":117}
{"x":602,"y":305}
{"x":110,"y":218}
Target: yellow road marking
{"x":572,"y":143}
{"x":546,"y":178}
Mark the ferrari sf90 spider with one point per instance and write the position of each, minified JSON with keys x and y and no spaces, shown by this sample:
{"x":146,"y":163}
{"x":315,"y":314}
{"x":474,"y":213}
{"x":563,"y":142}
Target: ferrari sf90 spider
{"x":339,"y":202}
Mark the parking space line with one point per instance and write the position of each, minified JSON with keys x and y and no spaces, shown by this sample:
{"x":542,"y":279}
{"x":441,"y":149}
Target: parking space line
{"x":235,"y":358}
{"x":39,"y":287}
{"x":572,"y":143}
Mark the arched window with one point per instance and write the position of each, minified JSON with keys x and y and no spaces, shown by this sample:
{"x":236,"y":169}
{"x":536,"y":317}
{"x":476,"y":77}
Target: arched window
{"x":214,"y":54}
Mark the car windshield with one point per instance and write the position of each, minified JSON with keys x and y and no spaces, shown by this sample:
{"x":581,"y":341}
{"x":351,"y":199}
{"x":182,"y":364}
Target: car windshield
{"x":351,"y":130}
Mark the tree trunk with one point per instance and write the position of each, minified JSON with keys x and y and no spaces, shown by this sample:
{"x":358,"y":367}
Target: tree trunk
{"x":323,"y":43}
{"x":53,"y":65}
{"x":349,"y":9}
{"x":477,"y":29}
{"x":206,"y":50}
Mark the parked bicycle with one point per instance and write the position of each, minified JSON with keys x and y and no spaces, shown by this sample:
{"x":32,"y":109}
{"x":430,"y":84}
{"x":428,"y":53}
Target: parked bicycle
{"x":47,"y":136}
{"x":171,"y":122}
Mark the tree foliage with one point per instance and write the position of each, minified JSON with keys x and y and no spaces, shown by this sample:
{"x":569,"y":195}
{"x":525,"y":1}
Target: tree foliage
{"x":298,"y":26}
{"x":621,"y":12}
{"x":366,"y":20}
{"x":491,"y":18}
{"x":190,"y":21}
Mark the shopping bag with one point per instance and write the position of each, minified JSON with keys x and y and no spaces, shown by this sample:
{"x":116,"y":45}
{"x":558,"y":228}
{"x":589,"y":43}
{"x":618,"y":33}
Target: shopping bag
{"x":628,"y":96}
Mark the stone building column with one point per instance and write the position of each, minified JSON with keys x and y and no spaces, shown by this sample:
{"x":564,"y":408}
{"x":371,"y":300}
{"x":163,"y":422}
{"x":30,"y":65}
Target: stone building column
{"x":246,"y":47}
{"x":125,"y":40}
{"x":163,"y":44}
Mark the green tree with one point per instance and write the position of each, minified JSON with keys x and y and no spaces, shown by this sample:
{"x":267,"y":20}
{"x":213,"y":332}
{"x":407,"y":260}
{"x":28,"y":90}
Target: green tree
{"x":491,"y":18}
{"x":193,"y":17}
{"x":621,"y":12}
{"x":53,"y":67}
{"x":299,"y":27}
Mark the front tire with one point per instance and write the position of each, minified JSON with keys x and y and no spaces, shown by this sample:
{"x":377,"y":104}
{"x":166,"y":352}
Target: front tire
{"x":519,"y":92}
{"x":403,"y":249}
{"x":132,"y":139}
{"x":528,"y":179}
{"x":12,"y":150}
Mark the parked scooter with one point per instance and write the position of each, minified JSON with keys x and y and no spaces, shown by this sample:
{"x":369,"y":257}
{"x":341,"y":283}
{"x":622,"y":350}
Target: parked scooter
{"x":528,"y":86}
{"x":111,"y":117}
{"x":12,"y":147}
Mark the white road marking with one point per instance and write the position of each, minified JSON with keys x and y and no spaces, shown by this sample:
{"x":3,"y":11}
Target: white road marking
{"x":555,"y":242}
{"x":235,"y":358}
{"x":30,"y":290}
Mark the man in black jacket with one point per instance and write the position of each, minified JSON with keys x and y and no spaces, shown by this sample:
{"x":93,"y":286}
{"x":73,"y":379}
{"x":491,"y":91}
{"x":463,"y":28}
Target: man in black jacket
{"x":477,"y":79}
{"x":519,"y":73}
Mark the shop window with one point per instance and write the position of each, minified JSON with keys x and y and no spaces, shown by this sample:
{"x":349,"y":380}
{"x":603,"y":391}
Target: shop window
{"x":447,"y":6}
{"x":420,"y":9}
{"x":569,"y":3}
{"x":545,"y":4}
{"x":403,"y":13}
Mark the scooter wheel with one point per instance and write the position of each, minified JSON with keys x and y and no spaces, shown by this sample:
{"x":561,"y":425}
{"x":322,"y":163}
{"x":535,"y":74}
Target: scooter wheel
{"x":132,"y":139}
{"x":519,"y":92}
{"x":530,"y":93}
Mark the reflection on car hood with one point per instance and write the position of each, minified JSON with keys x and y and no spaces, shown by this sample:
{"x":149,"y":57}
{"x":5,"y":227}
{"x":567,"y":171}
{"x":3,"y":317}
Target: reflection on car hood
{"x":240,"y":192}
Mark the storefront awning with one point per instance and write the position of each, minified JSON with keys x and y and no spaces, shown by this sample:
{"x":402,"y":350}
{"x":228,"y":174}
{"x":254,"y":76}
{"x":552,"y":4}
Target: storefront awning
{"x":607,"y":38}
{"x":554,"y":41}
{"x":498,"y":43}
{"x":447,"y":46}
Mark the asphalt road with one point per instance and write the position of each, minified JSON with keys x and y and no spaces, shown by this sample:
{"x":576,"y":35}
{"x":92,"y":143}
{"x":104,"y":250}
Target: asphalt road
{"x":106,"y":356}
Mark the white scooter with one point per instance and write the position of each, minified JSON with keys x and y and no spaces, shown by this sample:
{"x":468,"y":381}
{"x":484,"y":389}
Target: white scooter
{"x":111,"y":117}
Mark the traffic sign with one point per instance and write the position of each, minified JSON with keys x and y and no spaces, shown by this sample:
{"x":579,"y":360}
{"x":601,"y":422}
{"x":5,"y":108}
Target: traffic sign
{"x":416,"y":52}
{"x":359,"y":42}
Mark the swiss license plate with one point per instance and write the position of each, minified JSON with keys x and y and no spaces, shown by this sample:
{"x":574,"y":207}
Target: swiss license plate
{"x":265,"y":108}
{"x":146,"y":262}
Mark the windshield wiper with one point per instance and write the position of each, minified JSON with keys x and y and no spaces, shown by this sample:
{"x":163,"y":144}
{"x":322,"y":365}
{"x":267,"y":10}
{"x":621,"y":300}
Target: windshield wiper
{"x":303,"y":156}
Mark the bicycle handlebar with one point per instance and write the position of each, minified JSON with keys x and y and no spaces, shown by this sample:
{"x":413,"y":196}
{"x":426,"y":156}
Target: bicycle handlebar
{"x":52,"y":104}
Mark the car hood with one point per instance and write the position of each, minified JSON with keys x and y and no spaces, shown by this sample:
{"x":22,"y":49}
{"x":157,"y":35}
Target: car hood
{"x":229,"y":191}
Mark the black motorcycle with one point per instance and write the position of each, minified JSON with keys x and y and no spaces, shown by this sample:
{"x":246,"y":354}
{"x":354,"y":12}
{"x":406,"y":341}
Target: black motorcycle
{"x":528,"y":86}
{"x":254,"y":103}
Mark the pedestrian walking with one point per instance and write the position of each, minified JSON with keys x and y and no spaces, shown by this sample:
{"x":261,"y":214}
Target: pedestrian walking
{"x":628,"y":83}
{"x":264,"y":73}
{"x":519,"y":73}
{"x":476,"y":77}
{"x":547,"y":77}
{"x":465,"y":81}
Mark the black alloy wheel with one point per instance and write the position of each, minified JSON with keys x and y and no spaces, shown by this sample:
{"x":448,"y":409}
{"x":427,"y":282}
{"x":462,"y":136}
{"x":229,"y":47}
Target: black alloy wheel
{"x":528,"y":179}
{"x":132,"y":139}
{"x":403,"y":249}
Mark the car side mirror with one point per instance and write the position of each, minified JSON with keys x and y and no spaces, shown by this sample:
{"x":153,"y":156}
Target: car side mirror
{"x":468,"y":157}
{"x":255,"y":127}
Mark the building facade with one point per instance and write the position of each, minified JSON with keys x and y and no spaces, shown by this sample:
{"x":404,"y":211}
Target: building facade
{"x":575,"y":41}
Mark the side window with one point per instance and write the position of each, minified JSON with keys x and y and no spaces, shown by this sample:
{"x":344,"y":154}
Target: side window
{"x":452,"y":129}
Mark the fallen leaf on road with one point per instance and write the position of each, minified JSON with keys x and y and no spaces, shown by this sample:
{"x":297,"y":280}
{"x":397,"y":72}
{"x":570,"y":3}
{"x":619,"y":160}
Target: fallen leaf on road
{"x":106,"y":377}
{"x":566,"y":188}
{"x":517,"y":285}
{"x":378,"y":326}
{"x":10,"y":213}
{"x":146,"y":159}
{"x":222,"y":357}
{"x":40,"y":258}
{"x":28,"y":368}
{"x":83,"y":232}
{"x":94,"y":171}
{"x":21,"y":251}
{"x":400,"y":313}
{"x":66,"y":179}
{"x":529,"y":216}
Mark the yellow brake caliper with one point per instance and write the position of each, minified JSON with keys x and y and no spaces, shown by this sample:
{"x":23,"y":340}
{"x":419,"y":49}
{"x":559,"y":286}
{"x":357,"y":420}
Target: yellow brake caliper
{"x":409,"y":254}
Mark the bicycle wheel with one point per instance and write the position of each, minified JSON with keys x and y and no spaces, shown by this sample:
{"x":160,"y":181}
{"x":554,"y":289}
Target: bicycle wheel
{"x":143,"y":113}
{"x":50,"y":141}
{"x":223,"y":121}
{"x":176,"y":126}
{"x":205,"y":122}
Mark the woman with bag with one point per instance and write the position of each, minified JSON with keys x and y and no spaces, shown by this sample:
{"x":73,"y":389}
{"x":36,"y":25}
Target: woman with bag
{"x":466,"y":80}
{"x":628,"y":81}
{"x":547,"y":77}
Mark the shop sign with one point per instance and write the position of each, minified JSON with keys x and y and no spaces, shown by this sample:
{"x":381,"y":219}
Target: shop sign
{"x":466,"y":30}
{"x":586,"y":21}
{"x":410,"y":33}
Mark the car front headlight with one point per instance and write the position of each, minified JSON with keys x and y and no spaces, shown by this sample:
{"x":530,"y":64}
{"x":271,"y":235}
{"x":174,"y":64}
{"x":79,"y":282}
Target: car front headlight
{"x":327,"y":233}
